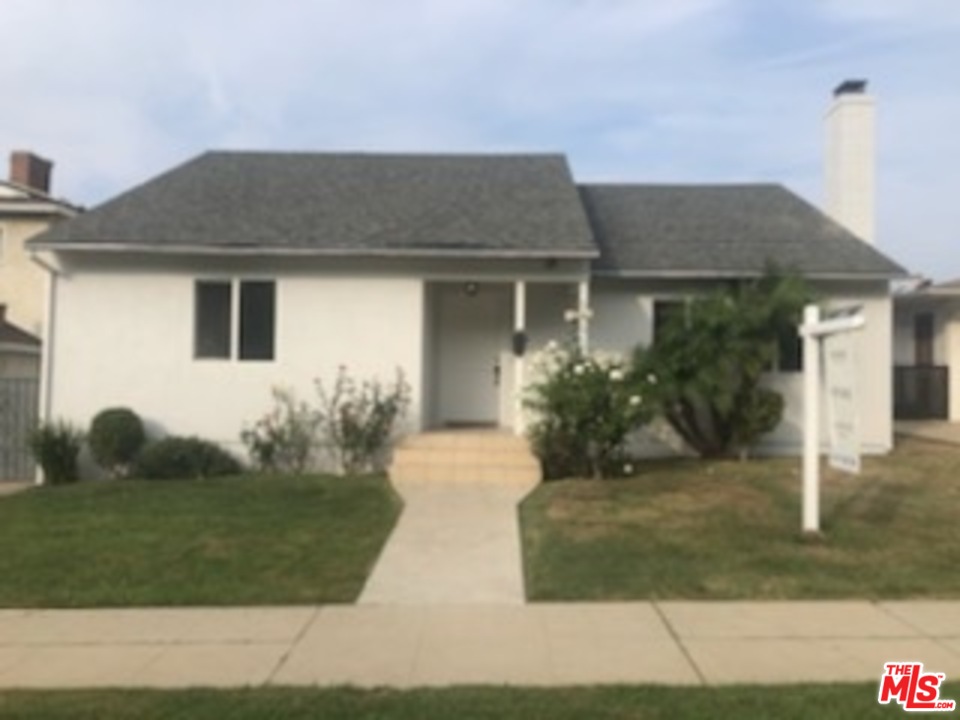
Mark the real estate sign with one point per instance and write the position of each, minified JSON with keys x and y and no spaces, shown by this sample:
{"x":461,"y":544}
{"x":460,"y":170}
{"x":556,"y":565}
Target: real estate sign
{"x":840,"y":371}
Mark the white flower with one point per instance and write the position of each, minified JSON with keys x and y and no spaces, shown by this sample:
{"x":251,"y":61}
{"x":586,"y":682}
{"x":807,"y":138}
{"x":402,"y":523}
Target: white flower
{"x":552,"y":346}
{"x":627,"y":469}
{"x":616,"y":375}
{"x":579,"y":369}
{"x":652,"y":379}
{"x":634,"y":400}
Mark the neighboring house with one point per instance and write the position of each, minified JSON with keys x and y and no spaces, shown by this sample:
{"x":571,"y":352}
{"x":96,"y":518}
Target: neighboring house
{"x":19,"y":351}
{"x":189,"y":296}
{"x":19,"y":377}
{"x":26,"y":209}
{"x":927,"y":353}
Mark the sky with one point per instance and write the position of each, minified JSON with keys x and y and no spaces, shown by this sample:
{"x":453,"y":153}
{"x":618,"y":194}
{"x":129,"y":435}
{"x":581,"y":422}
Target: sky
{"x":115,"y":91}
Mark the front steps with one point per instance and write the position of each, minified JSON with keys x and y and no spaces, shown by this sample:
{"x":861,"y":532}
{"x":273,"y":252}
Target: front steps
{"x":465,"y":456}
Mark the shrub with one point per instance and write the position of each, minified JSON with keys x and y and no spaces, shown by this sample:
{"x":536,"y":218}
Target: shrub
{"x":56,"y":447}
{"x":116,"y":436}
{"x":585,"y":408}
{"x":358,"y":420}
{"x":711,"y":360}
{"x":283,"y":439}
{"x":175,"y":457}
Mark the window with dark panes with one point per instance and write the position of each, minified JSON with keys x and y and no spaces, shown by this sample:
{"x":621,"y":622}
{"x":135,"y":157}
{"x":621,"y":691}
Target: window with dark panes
{"x":257,"y":311}
{"x":789,"y":351}
{"x":212,"y":321}
{"x":663,"y":313}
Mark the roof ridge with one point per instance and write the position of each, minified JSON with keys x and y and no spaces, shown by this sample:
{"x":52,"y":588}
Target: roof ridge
{"x":384,"y":154}
{"x":683,"y":185}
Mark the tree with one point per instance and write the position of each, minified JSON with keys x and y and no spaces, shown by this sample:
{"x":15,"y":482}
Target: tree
{"x":710,"y":358}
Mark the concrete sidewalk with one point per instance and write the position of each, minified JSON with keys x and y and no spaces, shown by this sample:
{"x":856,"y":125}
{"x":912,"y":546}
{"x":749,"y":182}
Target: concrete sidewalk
{"x":675,"y":643}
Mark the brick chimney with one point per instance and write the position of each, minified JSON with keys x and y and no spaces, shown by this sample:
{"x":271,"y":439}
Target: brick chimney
{"x":30,"y":171}
{"x":850,"y":159}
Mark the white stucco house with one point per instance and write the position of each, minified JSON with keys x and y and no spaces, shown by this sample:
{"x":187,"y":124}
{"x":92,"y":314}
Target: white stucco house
{"x":187,"y":298}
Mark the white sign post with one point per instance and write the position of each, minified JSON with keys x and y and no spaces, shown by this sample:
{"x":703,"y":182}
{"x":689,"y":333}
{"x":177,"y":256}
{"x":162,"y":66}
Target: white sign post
{"x":843,"y":444}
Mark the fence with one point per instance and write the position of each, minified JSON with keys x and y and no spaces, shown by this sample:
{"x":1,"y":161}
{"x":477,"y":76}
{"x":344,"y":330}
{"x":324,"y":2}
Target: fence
{"x":18,"y":417}
{"x":921,"y":392}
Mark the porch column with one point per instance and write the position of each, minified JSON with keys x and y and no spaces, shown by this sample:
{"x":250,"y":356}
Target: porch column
{"x":583,"y":315}
{"x":519,"y":326}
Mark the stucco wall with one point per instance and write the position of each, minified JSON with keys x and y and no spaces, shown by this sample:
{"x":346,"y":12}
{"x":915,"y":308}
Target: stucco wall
{"x":21,"y":281}
{"x":126,"y":338}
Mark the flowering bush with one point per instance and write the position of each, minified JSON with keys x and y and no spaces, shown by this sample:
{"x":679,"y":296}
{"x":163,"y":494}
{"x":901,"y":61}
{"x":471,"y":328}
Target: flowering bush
{"x":585,"y":407}
{"x":355,"y":422}
{"x":283,"y":439}
{"x":358,"y":420}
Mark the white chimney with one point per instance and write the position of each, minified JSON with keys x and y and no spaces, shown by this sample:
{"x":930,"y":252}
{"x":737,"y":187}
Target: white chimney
{"x":850,"y":159}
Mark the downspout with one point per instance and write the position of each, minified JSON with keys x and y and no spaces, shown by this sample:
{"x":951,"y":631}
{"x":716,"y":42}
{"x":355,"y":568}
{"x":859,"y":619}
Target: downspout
{"x":47,"y":348}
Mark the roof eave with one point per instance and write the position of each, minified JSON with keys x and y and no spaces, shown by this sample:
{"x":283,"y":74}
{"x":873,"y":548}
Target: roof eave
{"x":38,"y":208}
{"x":707,"y":274}
{"x":247,"y":251}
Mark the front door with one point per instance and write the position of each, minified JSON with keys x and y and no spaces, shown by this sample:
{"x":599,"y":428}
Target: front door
{"x":472,"y":330}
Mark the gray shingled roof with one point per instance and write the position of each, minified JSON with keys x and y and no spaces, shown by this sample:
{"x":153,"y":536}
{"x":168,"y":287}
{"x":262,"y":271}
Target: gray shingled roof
{"x":722,"y":229}
{"x":12,"y":335}
{"x":346,"y":203}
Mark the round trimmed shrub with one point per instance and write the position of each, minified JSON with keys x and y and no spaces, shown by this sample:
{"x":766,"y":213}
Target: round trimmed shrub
{"x":185,"y":458}
{"x":116,"y":436}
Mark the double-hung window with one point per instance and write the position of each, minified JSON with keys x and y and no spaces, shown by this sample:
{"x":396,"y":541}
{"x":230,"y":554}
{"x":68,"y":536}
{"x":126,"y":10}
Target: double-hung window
{"x":234,"y":319}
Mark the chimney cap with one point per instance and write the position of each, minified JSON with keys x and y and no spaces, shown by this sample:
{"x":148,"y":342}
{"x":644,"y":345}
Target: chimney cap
{"x":851,"y":87}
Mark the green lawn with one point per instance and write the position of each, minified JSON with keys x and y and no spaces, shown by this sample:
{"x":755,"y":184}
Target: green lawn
{"x":232,"y":541}
{"x":823,"y":702}
{"x":725,"y":529}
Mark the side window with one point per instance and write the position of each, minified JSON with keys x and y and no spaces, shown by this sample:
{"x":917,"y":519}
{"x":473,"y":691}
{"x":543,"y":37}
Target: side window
{"x":663,"y":312}
{"x":789,"y":351}
{"x":212,"y":320}
{"x":257,"y":316}
{"x":216,"y":321}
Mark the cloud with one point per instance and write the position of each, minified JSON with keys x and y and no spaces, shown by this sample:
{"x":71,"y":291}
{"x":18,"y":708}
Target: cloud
{"x":701,"y":90}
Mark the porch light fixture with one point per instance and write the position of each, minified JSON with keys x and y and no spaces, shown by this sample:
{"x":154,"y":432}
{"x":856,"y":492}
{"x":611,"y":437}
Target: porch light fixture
{"x":519,"y":343}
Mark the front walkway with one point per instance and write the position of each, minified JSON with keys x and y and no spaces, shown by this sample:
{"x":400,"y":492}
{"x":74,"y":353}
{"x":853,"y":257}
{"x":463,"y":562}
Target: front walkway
{"x":673,"y":643}
{"x":454,"y":543}
{"x":936,"y":430}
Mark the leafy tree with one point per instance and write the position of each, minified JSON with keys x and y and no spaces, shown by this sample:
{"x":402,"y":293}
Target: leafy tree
{"x":710,"y":358}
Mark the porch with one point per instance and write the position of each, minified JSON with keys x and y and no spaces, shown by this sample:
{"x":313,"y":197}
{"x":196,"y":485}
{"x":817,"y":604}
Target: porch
{"x":479,"y":335}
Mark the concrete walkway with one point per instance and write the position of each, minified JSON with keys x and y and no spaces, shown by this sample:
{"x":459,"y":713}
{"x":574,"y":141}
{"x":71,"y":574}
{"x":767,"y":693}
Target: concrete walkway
{"x":674,"y":643}
{"x":454,"y":543}
{"x":9,"y":487}
{"x":936,"y":430}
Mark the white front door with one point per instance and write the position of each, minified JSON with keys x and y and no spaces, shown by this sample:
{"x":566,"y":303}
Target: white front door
{"x":472,"y":330}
